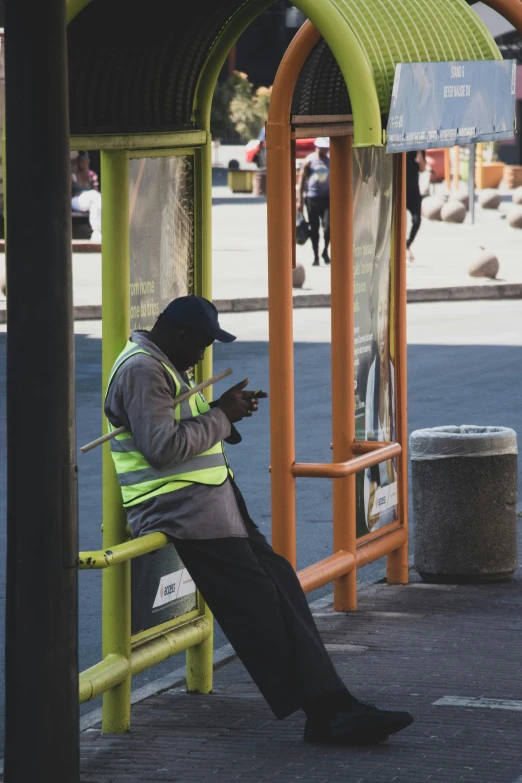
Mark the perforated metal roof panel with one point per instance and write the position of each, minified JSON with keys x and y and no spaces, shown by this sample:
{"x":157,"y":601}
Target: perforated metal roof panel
{"x":395,"y":31}
{"x":135,"y":66}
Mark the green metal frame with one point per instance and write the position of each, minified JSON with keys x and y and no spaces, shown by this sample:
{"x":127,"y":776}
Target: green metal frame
{"x":116,"y":584}
{"x":139,"y":141}
{"x":161,"y":153}
{"x":367,"y":43}
{"x":111,"y":674}
{"x":104,"y":558}
{"x":122,"y":654}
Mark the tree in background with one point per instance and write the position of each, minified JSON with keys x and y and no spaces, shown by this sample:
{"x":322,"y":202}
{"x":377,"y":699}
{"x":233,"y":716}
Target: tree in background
{"x":237,"y":107}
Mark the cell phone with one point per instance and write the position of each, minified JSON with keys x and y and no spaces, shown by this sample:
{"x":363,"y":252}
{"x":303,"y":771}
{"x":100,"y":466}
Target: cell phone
{"x":257,"y":392}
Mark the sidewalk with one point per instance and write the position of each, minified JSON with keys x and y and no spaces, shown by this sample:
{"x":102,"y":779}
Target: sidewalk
{"x":451,"y":654}
{"x":443,"y":254}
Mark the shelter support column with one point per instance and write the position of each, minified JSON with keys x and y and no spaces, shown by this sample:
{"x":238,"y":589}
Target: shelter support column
{"x":343,"y":373}
{"x":397,"y":561}
{"x":200,"y":662}
{"x":281,"y":240}
{"x":280,"y":249}
{"x":447,"y":169}
{"x":41,"y":660}
{"x":456,"y":175}
{"x":116,"y":585}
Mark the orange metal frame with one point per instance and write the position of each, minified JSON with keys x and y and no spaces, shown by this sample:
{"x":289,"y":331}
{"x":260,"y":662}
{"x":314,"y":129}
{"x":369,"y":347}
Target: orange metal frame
{"x":349,"y":456}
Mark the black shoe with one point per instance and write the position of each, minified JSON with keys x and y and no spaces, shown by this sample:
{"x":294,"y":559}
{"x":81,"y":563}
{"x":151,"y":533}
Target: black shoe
{"x":316,"y":261}
{"x":326,"y":257}
{"x":363,"y":724}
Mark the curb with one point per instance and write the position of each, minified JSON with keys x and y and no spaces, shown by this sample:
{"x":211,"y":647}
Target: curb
{"x":78,"y":246}
{"x":85,"y":246}
{"x":260,"y":303}
{"x":465,"y":292}
{"x":446,"y":294}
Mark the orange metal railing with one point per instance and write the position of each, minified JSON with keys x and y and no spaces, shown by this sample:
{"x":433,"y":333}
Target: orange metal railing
{"x":349,"y":456}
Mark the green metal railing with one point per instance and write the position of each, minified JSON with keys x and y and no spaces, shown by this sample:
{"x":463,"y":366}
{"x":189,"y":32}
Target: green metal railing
{"x":117,"y":667}
{"x":124,"y":655}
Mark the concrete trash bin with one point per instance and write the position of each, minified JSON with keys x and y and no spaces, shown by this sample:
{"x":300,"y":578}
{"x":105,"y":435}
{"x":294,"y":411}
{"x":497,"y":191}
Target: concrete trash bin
{"x":464,"y":487}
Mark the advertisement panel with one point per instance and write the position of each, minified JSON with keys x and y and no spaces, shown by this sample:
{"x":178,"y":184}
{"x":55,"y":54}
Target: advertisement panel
{"x":161,"y":220}
{"x":161,"y":212}
{"x":376,"y":488}
{"x":162,"y":589}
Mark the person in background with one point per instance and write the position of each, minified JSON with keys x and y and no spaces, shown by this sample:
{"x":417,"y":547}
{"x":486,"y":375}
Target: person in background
{"x":176,"y":479}
{"x":85,"y":192}
{"x":260,"y":156}
{"x":314,"y":188}
{"x":415,"y":165}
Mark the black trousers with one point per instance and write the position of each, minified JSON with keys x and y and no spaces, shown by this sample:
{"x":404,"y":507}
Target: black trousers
{"x":257,"y":600}
{"x":413,"y":205}
{"x":318,"y":211}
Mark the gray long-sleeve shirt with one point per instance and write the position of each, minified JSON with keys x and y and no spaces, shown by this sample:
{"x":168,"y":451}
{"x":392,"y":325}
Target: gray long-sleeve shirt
{"x":140,"y":398}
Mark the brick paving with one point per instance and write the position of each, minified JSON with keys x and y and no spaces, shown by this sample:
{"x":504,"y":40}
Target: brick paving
{"x":405,"y":647}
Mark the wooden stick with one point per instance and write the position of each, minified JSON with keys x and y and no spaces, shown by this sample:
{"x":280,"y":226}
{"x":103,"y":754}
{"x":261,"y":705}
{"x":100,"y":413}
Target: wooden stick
{"x":177,"y":400}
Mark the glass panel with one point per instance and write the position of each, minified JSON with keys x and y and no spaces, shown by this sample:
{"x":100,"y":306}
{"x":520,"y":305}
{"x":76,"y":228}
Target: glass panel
{"x":161,"y":219}
{"x":374,"y":339}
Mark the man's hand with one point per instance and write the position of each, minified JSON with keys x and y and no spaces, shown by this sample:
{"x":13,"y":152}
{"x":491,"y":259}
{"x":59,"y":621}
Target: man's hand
{"x":236,"y":403}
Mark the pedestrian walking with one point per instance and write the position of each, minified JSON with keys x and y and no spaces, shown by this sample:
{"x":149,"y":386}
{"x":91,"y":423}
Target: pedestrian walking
{"x":314,"y":191}
{"x":175,"y":478}
{"x":415,"y":165}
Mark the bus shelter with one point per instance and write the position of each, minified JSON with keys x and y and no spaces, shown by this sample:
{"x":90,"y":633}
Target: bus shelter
{"x":140,"y":91}
{"x":348,"y":94}
{"x":143,"y":98}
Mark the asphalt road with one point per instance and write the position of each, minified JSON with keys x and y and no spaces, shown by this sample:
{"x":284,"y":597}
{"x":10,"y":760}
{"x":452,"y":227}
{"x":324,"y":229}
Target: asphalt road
{"x":464,"y":367}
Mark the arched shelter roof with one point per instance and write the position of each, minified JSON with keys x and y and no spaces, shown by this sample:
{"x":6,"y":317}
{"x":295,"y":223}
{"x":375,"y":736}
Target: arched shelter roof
{"x":139,"y":67}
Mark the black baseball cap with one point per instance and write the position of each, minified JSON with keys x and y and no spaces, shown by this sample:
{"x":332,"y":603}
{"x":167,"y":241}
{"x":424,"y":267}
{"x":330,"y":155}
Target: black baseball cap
{"x":198,"y":313}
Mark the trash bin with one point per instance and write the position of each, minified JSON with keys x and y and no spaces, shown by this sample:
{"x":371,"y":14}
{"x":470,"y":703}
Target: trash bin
{"x":240,"y":180}
{"x":464,"y":487}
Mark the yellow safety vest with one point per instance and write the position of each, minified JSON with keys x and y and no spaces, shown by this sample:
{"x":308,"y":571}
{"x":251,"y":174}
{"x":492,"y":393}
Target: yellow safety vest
{"x":139,"y":481}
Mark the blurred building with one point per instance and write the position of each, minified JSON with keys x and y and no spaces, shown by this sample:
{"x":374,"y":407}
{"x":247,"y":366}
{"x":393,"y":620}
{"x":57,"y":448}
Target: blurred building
{"x":509,"y":42}
{"x":260,"y":49}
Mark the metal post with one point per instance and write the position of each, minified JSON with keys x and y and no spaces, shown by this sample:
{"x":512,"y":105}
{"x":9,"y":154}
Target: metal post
{"x":200,"y":665}
{"x":281,"y":240}
{"x":456,"y":173}
{"x":447,"y":169}
{"x":42,"y":546}
{"x":116,"y":584}
{"x":343,"y":367}
{"x":480,"y":172}
{"x":471,"y":183}
{"x":397,"y":560}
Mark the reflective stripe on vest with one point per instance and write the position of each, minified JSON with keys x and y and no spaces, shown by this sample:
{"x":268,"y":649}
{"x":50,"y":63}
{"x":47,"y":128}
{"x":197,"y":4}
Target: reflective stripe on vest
{"x":138,"y":480}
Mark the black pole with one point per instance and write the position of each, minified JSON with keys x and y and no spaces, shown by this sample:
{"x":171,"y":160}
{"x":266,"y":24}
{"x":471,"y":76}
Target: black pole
{"x":42,"y":715}
{"x":281,"y":28}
